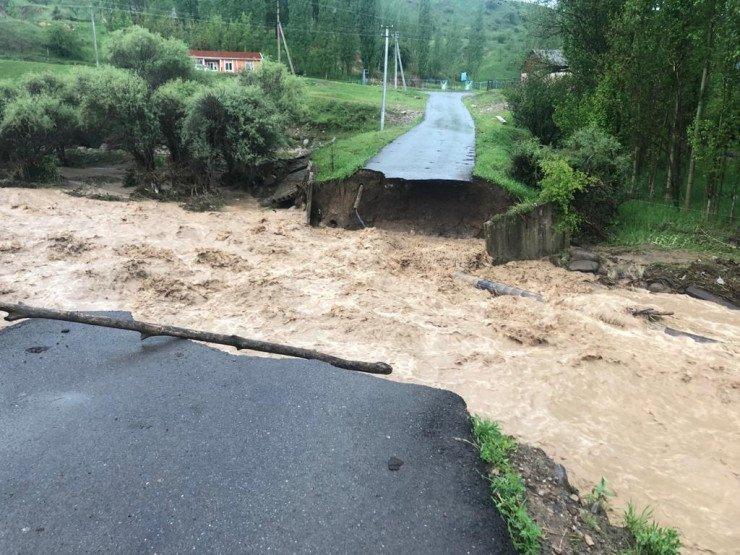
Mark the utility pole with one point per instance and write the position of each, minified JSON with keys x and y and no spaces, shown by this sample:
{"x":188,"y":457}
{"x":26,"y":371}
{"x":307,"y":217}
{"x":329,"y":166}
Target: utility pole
{"x":385,"y":82}
{"x":400,"y":63}
{"x":277,"y":26}
{"x":395,"y":63}
{"x":287,"y":52}
{"x":95,"y":36}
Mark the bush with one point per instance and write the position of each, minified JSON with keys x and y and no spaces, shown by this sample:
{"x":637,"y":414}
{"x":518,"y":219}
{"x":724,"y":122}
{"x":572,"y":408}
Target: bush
{"x":599,"y":155}
{"x":62,"y":40}
{"x":171,"y":104}
{"x":282,"y":88}
{"x":560,"y":185}
{"x":20,"y":37}
{"x":8,"y":92}
{"x":149,"y":55}
{"x":533,"y":102}
{"x":525,"y":162}
{"x":46,"y":83}
{"x":31,"y":129}
{"x":234,"y":126}
{"x":651,"y":539}
{"x":116,"y":102}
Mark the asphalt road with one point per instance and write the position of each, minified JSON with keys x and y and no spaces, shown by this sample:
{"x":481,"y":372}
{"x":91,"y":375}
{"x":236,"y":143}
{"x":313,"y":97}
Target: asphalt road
{"x":111,"y":444}
{"x":442,"y":147}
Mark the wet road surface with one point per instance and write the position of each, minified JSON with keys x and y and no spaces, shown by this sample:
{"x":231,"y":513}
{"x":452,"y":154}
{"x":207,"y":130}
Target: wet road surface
{"x":111,"y":444}
{"x":442,"y":147}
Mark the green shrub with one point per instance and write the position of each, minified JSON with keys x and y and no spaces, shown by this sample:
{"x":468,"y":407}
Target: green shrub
{"x":233,"y":126}
{"x":8,"y":92}
{"x":282,"y":88}
{"x":149,"y":55}
{"x":116,"y":103}
{"x":650,"y":539}
{"x":171,"y":103}
{"x":48,"y":83}
{"x":559,"y":186}
{"x":599,"y":155}
{"x":525,"y":162}
{"x":63,"y":40}
{"x":533,"y":102}
{"x":20,"y":38}
{"x":31,"y":129}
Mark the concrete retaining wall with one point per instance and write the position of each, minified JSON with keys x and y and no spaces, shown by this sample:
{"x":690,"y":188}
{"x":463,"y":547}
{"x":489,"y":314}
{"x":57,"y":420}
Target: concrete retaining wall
{"x":524,"y":236}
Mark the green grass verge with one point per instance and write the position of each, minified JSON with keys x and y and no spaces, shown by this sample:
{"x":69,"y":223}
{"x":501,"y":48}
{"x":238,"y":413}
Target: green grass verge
{"x":494,"y":143}
{"x":641,"y":223}
{"x":14,"y":69}
{"x":341,"y":159}
{"x":507,"y":486}
{"x":650,"y":539}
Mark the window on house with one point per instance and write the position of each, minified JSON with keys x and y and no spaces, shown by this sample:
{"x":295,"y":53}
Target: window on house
{"x":229,"y":66}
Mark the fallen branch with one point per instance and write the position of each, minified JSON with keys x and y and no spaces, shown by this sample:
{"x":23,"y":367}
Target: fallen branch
{"x":497,"y":288}
{"x":650,"y":313}
{"x":19,"y":312}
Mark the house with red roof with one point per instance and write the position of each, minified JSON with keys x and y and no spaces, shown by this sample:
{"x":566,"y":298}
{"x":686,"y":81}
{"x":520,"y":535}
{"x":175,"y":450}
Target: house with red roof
{"x":226,"y":62}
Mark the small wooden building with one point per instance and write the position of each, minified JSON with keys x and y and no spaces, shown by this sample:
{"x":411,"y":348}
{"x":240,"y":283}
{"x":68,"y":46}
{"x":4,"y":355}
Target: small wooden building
{"x":552,"y":62}
{"x":226,"y":62}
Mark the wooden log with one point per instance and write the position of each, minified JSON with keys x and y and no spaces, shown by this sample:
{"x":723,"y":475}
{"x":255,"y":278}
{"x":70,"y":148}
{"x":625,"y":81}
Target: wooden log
{"x":497,"y":288}
{"x":147,"y":330}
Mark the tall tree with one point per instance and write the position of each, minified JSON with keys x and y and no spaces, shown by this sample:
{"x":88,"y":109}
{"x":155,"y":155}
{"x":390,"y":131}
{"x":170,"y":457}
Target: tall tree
{"x":476,"y":47}
{"x":425,"y":30}
{"x":369,"y":33}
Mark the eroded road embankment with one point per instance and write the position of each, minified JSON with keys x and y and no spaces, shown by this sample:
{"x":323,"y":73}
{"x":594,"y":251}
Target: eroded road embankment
{"x":441,"y":148}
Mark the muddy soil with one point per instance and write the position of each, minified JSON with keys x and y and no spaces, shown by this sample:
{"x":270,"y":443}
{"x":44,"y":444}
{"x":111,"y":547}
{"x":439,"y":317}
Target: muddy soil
{"x":446,"y":208}
{"x":674,"y":272}
{"x":600,"y":391}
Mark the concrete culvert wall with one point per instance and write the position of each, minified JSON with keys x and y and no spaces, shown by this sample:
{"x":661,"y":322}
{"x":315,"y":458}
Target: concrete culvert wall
{"x":432,"y":207}
{"x":524,"y":236}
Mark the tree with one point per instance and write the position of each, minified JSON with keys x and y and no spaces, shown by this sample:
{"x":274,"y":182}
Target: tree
{"x":155,"y":59}
{"x":171,"y":104}
{"x":116,"y":102}
{"x":425,"y":28}
{"x":31,"y":129}
{"x":63,"y":40}
{"x":369,"y":33}
{"x":233,"y":125}
{"x":476,"y":41}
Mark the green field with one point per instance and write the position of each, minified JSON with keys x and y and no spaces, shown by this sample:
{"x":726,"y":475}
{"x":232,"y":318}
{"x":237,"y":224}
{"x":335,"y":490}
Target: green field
{"x":13,"y":69}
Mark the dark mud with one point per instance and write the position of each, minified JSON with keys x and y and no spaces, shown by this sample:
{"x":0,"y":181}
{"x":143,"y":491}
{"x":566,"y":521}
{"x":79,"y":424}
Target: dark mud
{"x":368,"y":199}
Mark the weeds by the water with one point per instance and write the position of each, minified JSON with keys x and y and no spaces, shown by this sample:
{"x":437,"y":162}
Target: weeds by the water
{"x":507,"y":486}
{"x":641,"y":222}
{"x":598,"y":498}
{"x":650,"y":539}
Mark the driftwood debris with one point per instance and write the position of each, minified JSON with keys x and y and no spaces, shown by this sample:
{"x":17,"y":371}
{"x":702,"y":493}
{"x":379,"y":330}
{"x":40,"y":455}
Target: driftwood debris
{"x":147,"y":330}
{"x":496,"y":288}
{"x":651,"y":314}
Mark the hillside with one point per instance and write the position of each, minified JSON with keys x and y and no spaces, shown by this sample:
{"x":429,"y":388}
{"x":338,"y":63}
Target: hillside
{"x":53,"y":31}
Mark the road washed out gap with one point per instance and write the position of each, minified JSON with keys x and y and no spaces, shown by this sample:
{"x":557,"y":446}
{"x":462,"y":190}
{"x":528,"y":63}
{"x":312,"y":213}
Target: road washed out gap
{"x":441,"y":148}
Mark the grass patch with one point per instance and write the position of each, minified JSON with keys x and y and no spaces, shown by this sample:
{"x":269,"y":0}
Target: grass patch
{"x":14,"y":69}
{"x":650,"y":539}
{"x":507,"y":486}
{"x":494,"y":143}
{"x":342,"y":158}
{"x":641,"y":222}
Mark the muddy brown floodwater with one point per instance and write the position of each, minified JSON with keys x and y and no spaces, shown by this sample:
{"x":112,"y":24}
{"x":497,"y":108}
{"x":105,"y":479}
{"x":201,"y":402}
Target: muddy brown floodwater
{"x":602,"y":392}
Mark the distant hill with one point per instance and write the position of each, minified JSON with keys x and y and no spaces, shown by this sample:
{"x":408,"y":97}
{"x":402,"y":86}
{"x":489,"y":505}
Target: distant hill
{"x":508,"y":29}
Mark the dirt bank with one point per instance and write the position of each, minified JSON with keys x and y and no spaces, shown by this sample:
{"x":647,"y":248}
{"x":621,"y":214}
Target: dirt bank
{"x":602,"y":392}
{"x":436,"y":207}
